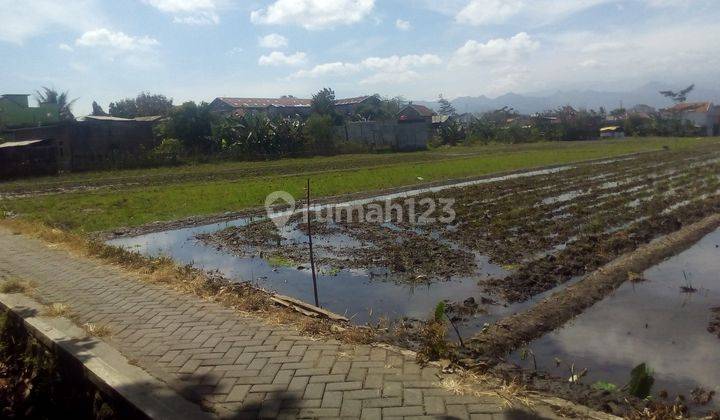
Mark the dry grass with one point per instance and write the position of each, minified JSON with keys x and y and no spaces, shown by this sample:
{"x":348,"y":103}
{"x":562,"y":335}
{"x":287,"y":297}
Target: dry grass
{"x":17,"y":285}
{"x":467,"y":383}
{"x":56,"y":310}
{"x":96,"y":330}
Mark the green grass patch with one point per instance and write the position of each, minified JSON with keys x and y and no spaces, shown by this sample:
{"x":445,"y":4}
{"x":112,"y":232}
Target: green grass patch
{"x":136,"y":205}
{"x":279,"y":261}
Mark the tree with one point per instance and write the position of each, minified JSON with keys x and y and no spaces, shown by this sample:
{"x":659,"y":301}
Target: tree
{"x":144,"y":105}
{"x":192,"y":125}
{"x":320,"y":134}
{"x":446,"y":108}
{"x":679,"y":96}
{"x":53,"y":97}
{"x":124,"y":108}
{"x":97,"y":109}
{"x":323,"y":103}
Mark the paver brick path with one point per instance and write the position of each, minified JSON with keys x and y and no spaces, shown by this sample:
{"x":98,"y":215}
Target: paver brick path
{"x":238,"y":364}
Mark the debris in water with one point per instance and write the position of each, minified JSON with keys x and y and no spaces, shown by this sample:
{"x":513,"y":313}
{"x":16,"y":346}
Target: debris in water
{"x":701,"y":395}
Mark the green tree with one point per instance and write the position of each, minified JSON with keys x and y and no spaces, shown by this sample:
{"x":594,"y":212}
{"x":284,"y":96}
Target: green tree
{"x":192,"y":125}
{"x":144,"y":105}
{"x":53,"y":97}
{"x":446,"y":108}
{"x":323,"y":103}
{"x":97,"y":109}
{"x":679,"y":96}
{"x":124,"y":108}
{"x":320,"y":134}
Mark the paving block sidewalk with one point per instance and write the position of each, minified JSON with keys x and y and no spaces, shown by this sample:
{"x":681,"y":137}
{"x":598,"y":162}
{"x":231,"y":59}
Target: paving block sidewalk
{"x":239,"y":365}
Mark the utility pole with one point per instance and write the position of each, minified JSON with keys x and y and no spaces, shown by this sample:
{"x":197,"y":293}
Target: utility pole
{"x":312,"y":258}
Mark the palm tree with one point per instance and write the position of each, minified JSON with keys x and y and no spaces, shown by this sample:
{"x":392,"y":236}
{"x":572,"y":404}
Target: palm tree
{"x":52,"y":96}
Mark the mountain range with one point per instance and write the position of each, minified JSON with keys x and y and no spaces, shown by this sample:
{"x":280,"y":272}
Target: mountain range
{"x":647,"y":94}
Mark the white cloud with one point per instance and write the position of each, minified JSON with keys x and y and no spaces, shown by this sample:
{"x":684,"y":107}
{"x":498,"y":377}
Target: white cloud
{"x":191,"y":12}
{"x":278,"y":58}
{"x":117,"y":41}
{"x":328,"y":69}
{"x":403,"y":25}
{"x":273,"y":41}
{"x":392,"y":69}
{"x":533,"y":12}
{"x":400,"y":63}
{"x":313,"y":14}
{"x":21,"y":20}
{"x":494,"y":50}
{"x":482,"y":12}
{"x":65,"y":47}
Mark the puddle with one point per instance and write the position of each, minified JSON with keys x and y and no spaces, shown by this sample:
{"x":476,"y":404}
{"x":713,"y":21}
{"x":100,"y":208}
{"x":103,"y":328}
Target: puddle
{"x":651,"y":322}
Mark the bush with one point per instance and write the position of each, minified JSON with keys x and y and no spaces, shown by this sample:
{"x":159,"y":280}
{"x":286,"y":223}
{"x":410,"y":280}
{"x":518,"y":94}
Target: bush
{"x":320,"y":133}
{"x":169,"y":151}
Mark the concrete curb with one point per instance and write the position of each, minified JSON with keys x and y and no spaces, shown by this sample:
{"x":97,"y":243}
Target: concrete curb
{"x":103,"y":365}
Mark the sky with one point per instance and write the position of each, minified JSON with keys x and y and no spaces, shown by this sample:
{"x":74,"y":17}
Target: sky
{"x":102,"y":50}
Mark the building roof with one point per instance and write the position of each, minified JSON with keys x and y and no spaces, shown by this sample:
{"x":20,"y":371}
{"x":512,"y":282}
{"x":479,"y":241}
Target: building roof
{"x":420,"y":109}
{"x":20,"y":143}
{"x":691,"y":107}
{"x":611,"y":129}
{"x":265,"y":102}
{"x":351,"y":101}
{"x":109,"y":118}
{"x":283,"y":102}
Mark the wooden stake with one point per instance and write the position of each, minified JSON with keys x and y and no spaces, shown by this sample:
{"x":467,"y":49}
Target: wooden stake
{"x":312,"y":258}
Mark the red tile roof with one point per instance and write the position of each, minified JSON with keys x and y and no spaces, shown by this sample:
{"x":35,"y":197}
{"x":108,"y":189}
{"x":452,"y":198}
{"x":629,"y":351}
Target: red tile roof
{"x":351,"y":101}
{"x":422,"y":110}
{"x":691,"y":107}
{"x":265,"y":102}
{"x":283,"y":102}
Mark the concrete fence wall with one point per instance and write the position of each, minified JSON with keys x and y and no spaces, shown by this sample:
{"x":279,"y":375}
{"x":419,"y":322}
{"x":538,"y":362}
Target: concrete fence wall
{"x":392,"y":135}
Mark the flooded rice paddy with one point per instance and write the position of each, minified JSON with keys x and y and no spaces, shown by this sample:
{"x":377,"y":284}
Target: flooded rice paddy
{"x":515,"y":240}
{"x":659,"y":321}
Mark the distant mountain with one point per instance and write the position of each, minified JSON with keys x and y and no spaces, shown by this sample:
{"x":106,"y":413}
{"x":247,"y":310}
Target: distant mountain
{"x":588,"y":99}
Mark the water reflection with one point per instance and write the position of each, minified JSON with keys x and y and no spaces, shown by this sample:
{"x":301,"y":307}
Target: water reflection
{"x":651,"y":322}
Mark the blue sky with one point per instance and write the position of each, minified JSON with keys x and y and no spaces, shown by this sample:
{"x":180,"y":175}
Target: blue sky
{"x":201,"y":49}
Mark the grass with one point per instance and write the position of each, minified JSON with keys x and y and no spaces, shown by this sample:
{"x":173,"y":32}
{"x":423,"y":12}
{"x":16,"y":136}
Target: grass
{"x":95,"y":330}
{"x":57,"y":310}
{"x":279,"y":261}
{"x":169,"y":193}
{"x":16,"y":285}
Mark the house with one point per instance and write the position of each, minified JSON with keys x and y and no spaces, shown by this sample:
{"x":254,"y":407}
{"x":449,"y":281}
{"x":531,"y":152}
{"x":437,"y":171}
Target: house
{"x":15,"y":111}
{"x":94,"y":142}
{"x":286,"y":106}
{"x":704,"y":115}
{"x":29,"y":157}
{"x":416,"y":113}
{"x":613,"y":131}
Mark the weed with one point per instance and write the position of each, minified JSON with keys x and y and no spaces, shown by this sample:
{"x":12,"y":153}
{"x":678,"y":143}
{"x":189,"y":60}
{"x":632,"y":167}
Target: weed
{"x":16,"y":285}
{"x":96,"y":330}
{"x":641,"y":381}
{"x":280,"y":261}
{"x":56,"y":310}
{"x":687,"y":287}
{"x":604,"y":386}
